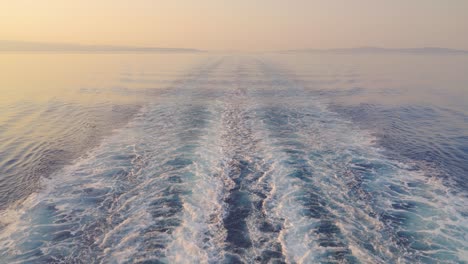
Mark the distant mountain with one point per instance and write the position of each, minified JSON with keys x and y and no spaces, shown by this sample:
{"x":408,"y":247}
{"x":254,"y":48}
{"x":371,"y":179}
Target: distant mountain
{"x":24,"y":46}
{"x":363,"y":50}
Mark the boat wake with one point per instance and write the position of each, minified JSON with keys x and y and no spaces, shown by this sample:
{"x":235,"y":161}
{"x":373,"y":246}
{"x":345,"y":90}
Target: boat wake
{"x":237,"y":164}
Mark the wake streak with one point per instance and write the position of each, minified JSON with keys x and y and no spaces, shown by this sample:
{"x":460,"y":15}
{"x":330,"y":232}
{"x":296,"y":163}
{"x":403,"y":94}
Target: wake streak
{"x":246,"y":167}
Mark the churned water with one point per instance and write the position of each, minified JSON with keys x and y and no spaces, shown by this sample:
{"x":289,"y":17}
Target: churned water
{"x":215,"y":158}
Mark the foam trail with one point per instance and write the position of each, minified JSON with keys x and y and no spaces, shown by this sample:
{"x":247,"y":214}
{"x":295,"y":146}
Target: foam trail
{"x":237,"y":229}
{"x":251,"y":235}
{"x":343,"y":201}
{"x":238,"y":164}
{"x":126,"y":199}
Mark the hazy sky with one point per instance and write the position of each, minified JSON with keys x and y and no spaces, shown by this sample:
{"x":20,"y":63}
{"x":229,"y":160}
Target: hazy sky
{"x":239,"y":24}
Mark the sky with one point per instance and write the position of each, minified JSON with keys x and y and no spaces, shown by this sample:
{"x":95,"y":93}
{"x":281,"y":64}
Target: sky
{"x":247,"y":25}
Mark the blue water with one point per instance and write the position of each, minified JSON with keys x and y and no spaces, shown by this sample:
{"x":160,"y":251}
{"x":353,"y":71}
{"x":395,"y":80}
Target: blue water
{"x":240,"y":160}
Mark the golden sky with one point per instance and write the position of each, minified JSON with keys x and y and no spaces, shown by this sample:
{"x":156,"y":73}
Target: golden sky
{"x":239,"y":24}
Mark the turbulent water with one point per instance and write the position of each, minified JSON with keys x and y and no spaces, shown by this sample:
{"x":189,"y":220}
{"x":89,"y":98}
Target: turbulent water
{"x":239,"y":161}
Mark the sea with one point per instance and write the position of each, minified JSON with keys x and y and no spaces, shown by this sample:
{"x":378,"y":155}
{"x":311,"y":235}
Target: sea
{"x":233,"y":158}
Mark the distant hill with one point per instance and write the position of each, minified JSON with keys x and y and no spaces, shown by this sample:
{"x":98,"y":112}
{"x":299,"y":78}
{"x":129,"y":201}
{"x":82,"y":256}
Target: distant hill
{"x":363,"y":50}
{"x":24,"y":46}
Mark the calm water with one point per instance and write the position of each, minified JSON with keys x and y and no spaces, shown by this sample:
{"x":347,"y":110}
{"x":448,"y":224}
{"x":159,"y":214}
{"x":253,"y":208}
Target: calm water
{"x":212,"y":158}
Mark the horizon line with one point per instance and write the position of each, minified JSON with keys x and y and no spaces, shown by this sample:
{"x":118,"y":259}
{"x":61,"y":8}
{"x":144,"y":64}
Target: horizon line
{"x":57,"y":47}
{"x":32,"y":46}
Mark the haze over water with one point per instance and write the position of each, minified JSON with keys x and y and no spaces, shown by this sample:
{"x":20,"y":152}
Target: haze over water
{"x":229,"y":158}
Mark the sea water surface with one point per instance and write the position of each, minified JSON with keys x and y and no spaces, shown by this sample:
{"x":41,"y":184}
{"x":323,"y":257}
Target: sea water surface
{"x":232,"y":158}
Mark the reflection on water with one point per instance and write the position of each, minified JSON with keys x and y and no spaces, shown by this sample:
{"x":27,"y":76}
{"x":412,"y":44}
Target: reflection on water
{"x":416,"y":105}
{"x":382,"y":79}
{"x":229,"y":158}
{"x":55,"y":107}
{"x":86,"y":78}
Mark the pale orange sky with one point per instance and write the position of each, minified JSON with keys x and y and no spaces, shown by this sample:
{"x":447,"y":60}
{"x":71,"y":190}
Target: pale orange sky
{"x":239,"y":24}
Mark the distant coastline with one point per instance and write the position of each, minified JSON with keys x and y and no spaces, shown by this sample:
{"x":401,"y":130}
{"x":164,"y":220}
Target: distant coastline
{"x":7,"y":46}
{"x":378,"y":50}
{"x":11,"y":46}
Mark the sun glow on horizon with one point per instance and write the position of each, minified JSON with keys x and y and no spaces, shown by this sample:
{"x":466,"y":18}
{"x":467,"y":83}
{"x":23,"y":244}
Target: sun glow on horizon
{"x":239,"y":25}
